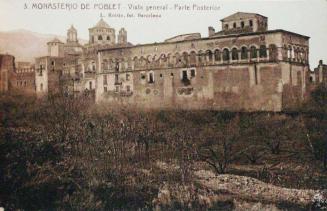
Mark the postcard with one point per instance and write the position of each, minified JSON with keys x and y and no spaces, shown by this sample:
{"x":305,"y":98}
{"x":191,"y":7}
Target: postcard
{"x":163,"y":105}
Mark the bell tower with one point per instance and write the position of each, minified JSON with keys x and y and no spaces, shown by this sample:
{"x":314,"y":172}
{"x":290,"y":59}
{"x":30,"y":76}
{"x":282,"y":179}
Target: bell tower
{"x":72,"y":35}
{"x":122,"y":36}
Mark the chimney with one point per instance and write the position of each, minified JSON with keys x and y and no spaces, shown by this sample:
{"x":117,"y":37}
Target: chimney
{"x":320,"y":62}
{"x":211,"y":31}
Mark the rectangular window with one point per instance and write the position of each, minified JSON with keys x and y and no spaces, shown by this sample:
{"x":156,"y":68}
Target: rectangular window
{"x":128,"y":88}
{"x":184,"y":75}
{"x":105,"y":80}
{"x":116,"y":78}
{"x":105,"y":89}
{"x":192,"y":72}
{"x":117,"y":89}
{"x":151,"y":77}
{"x":127,"y":77}
{"x":90,"y":85}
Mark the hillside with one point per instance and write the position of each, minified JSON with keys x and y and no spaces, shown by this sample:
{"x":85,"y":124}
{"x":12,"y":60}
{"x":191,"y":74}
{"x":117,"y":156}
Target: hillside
{"x":26,"y":45}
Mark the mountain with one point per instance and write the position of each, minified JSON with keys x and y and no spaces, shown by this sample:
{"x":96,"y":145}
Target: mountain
{"x":26,"y":45}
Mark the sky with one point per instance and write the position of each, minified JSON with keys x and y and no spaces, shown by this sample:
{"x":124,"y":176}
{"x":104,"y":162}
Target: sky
{"x":307,"y":17}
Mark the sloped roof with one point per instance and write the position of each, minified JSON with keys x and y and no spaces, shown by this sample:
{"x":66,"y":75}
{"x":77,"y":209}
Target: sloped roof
{"x":101,"y":24}
{"x":55,"y":40}
{"x":241,"y":15}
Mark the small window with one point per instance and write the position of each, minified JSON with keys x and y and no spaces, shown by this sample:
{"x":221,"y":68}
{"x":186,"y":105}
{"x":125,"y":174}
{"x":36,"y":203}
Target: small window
{"x":242,"y":24}
{"x":117,"y":89}
{"x":108,"y":38}
{"x":41,"y":87}
{"x":142,"y":76}
{"x":160,"y":75}
{"x":263,"y":51}
{"x":251,"y":23}
{"x":105,"y":80}
{"x":253,"y":52}
{"x":225,"y":54}
{"x":234,"y":54}
{"x":52,"y":63}
{"x":192,"y":72}
{"x":99,"y":37}
{"x":171,"y":74}
{"x":184,"y":75}
{"x":226,"y":26}
{"x":244,"y":53}
{"x":116,"y":78}
{"x":234,"y":25}
{"x":90,"y":85}
{"x":128,"y":88}
{"x":127,"y":77}
{"x":151,"y":78}
{"x":105,"y":89}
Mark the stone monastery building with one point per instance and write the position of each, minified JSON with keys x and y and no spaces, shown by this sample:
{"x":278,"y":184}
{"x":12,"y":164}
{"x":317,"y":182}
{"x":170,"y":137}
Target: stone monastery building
{"x":242,"y":67}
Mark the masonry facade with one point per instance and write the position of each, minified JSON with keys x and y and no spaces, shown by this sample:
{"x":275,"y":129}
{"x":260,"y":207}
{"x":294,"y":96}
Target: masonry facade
{"x":243,"y":67}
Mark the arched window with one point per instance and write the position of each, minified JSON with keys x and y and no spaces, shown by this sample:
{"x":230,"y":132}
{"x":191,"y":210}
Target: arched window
{"x":302,"y":55}
{"x":297,"y":54}
{"x":200,"y":57}
{"x":273,"y":52}
{"x":244,"y":52}
{"x":185,"y":58}
{"x":234,"y":54}
{"x":234,"y":25}
{"x":217,"y":55}
{"x":253,"y":52}
{"x":193,"y":58}
{"x":251,"y":23}
{"x":177,"y":58}
{"x":225,"y":54}
{"x":289,"y":52}
{"x":210,"y":56}
{"x":263,"y":51}
{"x":242,"y":24}
{"x":93,"y":66}
{"x":99,"y":37}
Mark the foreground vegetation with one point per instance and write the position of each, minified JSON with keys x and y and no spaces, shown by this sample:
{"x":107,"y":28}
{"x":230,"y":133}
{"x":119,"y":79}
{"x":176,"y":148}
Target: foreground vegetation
{"x":63,"y":153}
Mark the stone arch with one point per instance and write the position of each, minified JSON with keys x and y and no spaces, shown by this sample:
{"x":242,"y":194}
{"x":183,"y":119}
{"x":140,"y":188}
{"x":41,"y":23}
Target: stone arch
{"x":302,"y":54}
{"x":226,"y":54}
{"x":234,"y":53}
{"x":244,"y":52}
{"x":177,"y":58}
{"x":263,"y":51}
{"x":200,"y":57}
{"x":217,"y":55}
{"x":185,"y":58}
{"x":289,"y":52}
{"x":193,"y":58}
{"x":253,"y":52}
{"x":209,"y":56}
{"x":273,"y":54}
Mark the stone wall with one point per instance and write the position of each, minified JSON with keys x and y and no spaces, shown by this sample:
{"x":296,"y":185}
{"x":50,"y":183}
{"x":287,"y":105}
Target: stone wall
{"x":246,"y":72}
